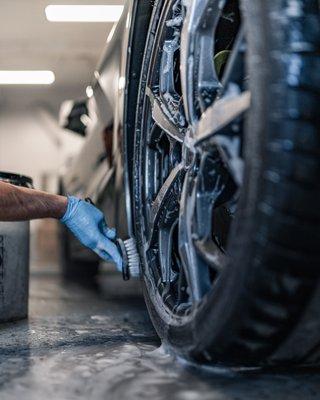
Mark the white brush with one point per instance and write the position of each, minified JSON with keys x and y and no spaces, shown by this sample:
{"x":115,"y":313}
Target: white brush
{"x":130,"y":258}
{"x":129,"y":253}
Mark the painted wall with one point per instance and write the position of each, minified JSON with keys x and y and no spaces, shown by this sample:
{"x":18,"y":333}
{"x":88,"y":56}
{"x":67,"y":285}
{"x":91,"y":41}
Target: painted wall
{"x":32,"y":143}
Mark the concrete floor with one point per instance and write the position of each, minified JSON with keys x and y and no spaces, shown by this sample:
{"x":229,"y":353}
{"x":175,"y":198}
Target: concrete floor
{"x":98,"y":343}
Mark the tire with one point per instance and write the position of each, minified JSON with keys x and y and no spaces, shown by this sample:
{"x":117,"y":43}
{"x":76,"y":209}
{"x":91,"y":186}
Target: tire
{"x":262,"y":306}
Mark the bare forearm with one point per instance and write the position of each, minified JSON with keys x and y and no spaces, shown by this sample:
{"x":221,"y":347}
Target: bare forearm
{"x":18,"y":204}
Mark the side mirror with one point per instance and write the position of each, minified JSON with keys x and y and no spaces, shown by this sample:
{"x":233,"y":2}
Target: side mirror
{"x":74,"y":116}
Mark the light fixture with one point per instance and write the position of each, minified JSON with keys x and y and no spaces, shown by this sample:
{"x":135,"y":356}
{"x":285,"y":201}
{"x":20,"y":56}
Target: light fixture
{"x":89,"y":91}
{"x":26,"y":77}
{"x":83,"y":13}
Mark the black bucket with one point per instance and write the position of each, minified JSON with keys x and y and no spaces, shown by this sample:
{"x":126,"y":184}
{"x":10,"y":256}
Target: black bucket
{"x":17,"y":180}
{"x":14,"y":260}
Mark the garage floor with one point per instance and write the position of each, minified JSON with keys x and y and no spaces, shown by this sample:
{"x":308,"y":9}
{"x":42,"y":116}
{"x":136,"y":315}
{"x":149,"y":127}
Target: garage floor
{"x":98,"y":343}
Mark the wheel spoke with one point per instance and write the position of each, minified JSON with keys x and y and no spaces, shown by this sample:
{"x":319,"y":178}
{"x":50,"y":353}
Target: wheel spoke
{"x":197,"y":43}
{"x":221,"y":114}
{"x":213,"y":188}
{"x":162,"y":117}
{"x":165,"y":251}
{"x":197,"y":273}
{"x":167,"y":84}
{"x":235,"y":64}
{"x":168,"y":192}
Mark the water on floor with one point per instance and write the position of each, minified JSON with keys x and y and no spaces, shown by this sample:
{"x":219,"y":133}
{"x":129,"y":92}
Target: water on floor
{"x":98,"y":343}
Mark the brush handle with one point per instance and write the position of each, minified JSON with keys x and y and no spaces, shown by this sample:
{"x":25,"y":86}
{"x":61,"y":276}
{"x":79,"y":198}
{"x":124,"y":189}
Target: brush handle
{"x":125,"y":264}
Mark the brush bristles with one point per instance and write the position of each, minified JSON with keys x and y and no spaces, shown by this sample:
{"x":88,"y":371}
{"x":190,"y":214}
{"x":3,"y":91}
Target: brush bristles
{"x":133,"y":257}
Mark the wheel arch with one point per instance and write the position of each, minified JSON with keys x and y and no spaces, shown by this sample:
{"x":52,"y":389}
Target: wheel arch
{"x":141,"y":17}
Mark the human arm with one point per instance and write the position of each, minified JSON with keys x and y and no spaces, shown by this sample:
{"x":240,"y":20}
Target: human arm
{"x":19,"y":204}
{"x":84,"y":220}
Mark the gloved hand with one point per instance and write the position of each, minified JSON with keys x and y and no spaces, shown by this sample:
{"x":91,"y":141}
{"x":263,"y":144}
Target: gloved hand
{"x":88,"y":224}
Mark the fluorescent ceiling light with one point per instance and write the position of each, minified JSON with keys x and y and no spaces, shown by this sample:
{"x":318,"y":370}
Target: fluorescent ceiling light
{"x":26,"y":77}
{"x":83,"y":13}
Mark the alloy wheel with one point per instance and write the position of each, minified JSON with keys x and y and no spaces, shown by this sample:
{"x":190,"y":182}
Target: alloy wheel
{"x":192,"y":152}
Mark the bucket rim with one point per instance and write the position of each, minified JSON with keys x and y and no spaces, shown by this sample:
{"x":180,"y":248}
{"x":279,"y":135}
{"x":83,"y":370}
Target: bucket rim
{"x":15,"y":177}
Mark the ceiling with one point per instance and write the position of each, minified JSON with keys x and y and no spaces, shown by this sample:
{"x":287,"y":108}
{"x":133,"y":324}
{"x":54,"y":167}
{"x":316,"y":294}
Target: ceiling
{"x":29,"y":41}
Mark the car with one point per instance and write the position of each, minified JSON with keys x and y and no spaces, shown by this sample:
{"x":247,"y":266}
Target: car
{"x":203,"y":145}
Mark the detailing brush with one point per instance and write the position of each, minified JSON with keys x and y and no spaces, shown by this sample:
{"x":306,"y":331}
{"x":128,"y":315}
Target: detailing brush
{"x":129,"y":253}
{"x":130,"y":258}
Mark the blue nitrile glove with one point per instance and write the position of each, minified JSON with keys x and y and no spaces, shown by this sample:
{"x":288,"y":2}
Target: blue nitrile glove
{"x":88,"y":224}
